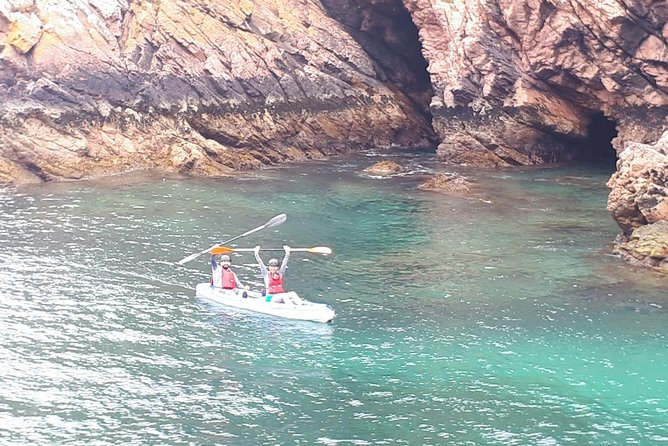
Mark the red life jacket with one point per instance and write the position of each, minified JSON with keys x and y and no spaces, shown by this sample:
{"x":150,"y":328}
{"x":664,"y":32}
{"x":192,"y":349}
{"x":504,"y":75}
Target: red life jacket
{"x":228,"y":279}
{"x":275,"y":283}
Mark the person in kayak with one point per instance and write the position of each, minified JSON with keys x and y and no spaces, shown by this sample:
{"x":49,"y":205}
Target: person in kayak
{"x":223,"y":277}
{"x":273,"y":278}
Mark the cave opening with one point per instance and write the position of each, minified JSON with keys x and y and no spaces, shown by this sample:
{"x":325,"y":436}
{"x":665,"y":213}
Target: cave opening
{"x":596,"y":149}
{"x":385,"y":30}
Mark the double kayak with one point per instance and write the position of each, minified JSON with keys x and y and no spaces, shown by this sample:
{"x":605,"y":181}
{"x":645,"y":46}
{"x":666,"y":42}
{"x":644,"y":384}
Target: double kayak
{"x":285,"y":305}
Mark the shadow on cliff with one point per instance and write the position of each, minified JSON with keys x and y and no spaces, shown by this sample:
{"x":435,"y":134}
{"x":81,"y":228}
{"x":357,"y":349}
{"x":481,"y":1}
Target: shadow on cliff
{"x":596,"y":150}
{"x":385,"y":30}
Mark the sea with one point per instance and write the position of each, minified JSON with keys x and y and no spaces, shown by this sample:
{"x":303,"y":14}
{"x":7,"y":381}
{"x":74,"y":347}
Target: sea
{"x":494,"y":317}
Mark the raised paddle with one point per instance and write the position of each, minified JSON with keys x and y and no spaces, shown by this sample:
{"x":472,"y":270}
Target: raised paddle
{"x":324,"y":250}
{"x":278,"y":220}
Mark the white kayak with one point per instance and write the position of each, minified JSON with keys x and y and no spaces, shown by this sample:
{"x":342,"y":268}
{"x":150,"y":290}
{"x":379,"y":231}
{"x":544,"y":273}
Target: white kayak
{"x":286,"y":305}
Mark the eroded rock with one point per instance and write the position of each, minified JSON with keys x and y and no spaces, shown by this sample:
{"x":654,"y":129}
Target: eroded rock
{"x":639,"y":192}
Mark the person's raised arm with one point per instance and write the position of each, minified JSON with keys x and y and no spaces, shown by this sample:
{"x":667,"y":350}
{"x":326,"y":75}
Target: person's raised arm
{"x":263,"y":268}
{"x":284,"y":264}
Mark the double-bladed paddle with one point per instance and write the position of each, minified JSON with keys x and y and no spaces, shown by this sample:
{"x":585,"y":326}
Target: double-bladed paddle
{"x":278,"y":220}
{"x":324,"y":250}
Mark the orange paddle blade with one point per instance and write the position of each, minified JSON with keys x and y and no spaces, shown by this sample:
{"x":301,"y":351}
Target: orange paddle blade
{"x":221,"y":250}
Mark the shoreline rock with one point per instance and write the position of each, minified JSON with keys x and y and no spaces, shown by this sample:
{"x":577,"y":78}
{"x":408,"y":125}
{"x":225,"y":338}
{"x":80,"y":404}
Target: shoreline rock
{"x":647,"y":246}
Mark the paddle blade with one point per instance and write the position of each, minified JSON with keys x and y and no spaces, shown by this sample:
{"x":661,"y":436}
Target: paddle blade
{"x":278,"y":220}
{"x":324,"y":250}
{"x":221,"y":250}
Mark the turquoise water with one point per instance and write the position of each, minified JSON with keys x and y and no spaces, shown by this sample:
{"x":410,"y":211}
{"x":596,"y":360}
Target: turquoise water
{"x":497,"y":318}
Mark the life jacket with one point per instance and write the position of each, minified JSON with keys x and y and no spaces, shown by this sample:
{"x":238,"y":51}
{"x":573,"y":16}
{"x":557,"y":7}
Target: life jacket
{"x":275,"y":283}
{"x":228,"y":279}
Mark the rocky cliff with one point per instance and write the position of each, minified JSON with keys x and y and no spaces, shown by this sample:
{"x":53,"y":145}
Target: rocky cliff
{"x":532,"y":81}
{"x":519,"y":82}
{"x":97,"y":87}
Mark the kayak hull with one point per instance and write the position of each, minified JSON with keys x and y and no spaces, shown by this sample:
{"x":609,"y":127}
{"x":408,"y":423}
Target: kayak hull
{"x":254,"y":301}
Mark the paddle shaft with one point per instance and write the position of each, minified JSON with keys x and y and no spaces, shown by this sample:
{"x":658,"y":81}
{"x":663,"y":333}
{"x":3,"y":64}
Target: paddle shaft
{"x":315,"y":250}
{"x":274,"y":249}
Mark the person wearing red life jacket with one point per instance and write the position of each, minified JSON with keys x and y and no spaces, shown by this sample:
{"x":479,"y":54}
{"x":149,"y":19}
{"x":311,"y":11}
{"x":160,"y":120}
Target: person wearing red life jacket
{"x":273,"y":278}
{"x":223,"y":277}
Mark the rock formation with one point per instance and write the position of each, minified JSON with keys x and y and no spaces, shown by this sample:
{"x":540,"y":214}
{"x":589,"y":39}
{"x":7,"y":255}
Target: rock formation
{"x":638,"y":202}
{"x":519,"y":82}
{"x":647,"y":246}
{"x":97,"y":87}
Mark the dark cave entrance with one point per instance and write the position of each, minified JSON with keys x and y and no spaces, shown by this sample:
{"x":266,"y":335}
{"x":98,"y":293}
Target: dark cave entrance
{"x":596,"y":149}
{"x":385,"y":30}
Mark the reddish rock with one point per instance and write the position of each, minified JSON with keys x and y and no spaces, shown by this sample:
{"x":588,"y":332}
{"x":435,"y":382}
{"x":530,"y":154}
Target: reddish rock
{"x":638,"y":202}
{"x":639,"y":192}
{"x":513,"y":79}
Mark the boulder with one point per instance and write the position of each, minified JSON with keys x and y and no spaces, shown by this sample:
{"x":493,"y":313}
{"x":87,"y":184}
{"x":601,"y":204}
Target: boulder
{"x":447,"y":183}
{"x":384,"y":168}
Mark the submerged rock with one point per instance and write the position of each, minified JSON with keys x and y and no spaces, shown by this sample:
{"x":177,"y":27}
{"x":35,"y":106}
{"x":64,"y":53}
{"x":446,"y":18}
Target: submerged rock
{"x":384,"y":168}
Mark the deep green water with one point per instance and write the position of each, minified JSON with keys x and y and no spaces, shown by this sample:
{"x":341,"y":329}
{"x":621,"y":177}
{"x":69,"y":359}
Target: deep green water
{"x":495,"y":319}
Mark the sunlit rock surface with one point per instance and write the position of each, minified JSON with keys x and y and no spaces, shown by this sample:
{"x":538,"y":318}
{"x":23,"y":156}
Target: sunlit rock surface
{"x":96,"y":87}
{"x":646,"y":246}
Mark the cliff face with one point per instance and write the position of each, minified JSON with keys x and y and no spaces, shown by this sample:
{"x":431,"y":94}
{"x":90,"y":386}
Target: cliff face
{"x":519,"y":82}
{"x":97,"y":87}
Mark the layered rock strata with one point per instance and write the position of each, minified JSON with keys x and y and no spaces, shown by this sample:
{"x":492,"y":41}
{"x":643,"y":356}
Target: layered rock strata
{"x":96,"y":87}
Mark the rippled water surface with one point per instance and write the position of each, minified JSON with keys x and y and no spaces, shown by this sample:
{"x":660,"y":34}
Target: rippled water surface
{"x":497,"y":318}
